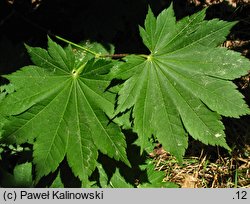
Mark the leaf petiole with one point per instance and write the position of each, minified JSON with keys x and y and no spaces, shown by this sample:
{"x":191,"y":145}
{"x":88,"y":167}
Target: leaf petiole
{"x":77,"y":72}
{"x":97,"y":55}
{"x":78,"y":46}
{"x":144,"y":56}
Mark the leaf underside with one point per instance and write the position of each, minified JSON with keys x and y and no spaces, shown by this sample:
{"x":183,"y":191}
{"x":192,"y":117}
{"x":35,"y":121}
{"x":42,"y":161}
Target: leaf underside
{"x":184,"y":85}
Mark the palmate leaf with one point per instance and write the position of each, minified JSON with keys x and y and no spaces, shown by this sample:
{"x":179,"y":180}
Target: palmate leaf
{"x":62,"y":108}
{"x":184,"y":85}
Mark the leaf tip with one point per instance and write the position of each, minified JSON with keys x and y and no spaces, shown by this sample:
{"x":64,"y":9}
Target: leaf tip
{"x":49,"y":39}
{"x":150,"y":14}
{"x":150,"y":10}
{"x":126,"y":161}
{"x":28,"y":48}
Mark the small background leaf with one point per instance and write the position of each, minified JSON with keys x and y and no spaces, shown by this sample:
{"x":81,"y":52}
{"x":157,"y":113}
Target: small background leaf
{"x":22,"y":176}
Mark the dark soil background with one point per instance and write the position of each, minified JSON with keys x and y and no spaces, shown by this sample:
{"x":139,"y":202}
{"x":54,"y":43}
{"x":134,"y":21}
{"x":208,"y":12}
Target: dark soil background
{"x":109,"y":21}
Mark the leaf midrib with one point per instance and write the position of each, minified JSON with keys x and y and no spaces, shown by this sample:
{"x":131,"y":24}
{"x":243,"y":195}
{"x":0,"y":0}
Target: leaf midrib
{"x":165,"y":109}
{"x":196,"y":84}
{"x":179,"y":33}
{"x":93,"y":113}
{"x":78,"y":119}
{"x":59,"y":124}
{"x":47,"y":61}
{"x":29,"y":121}
{"x":194,"y":42}
{"x":184,"y":99}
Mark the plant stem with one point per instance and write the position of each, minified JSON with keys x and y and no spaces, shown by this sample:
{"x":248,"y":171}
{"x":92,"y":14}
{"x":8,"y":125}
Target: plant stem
{"x":118,"y":56}
{"x":144,"y":56}
{"x":79,"y":46}
{"x":80,"y":69}
{"x":115,"y":56}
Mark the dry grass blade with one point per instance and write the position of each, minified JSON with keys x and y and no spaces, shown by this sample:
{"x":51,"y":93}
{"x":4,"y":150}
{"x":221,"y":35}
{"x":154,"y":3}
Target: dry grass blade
{"x":200,"y":172}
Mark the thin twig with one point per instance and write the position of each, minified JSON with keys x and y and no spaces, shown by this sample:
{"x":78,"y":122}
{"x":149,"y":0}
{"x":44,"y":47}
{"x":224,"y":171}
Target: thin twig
{"x":115,"y":56}
{"x":76,"y":45}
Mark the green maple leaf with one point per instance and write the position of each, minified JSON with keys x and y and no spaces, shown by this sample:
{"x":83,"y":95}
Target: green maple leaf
{"x":184,"y":85}
{"x":61,"y":106}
